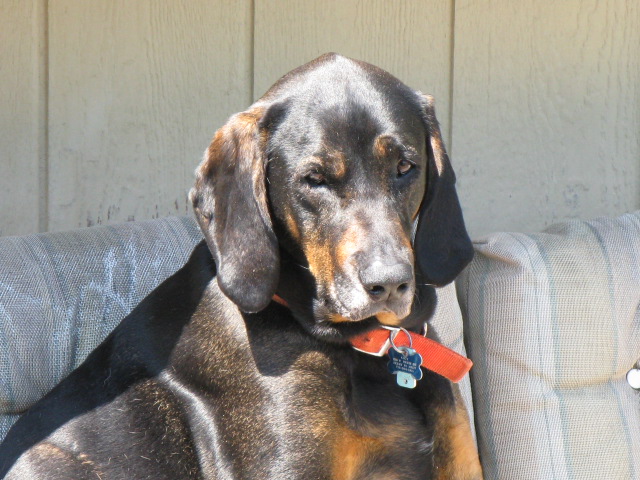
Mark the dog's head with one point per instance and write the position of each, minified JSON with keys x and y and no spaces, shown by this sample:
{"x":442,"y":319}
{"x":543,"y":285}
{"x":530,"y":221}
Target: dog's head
{"x":337,"y":184}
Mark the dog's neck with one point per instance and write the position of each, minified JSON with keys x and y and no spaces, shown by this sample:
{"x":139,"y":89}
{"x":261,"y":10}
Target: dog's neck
{"x":433,"y":355}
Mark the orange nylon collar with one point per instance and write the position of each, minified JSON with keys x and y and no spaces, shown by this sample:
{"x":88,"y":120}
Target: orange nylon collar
{"x":435,"y":356}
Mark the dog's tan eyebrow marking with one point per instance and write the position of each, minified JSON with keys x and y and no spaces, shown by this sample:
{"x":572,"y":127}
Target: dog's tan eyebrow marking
{"x":385,"y":145}
{"x":329,"y":160}
{"x":337,"y":164}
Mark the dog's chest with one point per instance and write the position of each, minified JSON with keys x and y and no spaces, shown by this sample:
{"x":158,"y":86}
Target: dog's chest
{"x":355,"y":427}
{"x":316,"y":411}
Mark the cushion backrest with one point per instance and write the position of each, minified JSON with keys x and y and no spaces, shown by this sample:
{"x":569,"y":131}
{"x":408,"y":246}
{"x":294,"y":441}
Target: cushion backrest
{"x":62,"y":293}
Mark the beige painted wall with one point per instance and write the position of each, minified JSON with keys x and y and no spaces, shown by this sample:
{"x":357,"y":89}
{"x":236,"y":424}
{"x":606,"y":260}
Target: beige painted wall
{"x":106,"y":106}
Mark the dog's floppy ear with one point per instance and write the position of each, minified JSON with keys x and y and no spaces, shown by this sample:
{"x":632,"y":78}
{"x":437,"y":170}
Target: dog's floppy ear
{"x":230,"y":203}
{"x":441,"y":243}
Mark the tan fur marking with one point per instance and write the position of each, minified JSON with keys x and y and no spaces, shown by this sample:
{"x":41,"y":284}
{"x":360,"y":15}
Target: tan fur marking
{"x":336,"y":163}
{"x":49,"y":450}
{"x":333,"y":161}
{"x":346,"y":449}
{"x":53,"y":453}
{"x":456,"y":455}
{"x":336,"y":318}
{"x":382,"y":146}
{"x":348,"y":245}
{"x":320,"y":260}
{"x":350,"y":452}
{"x":244,"y":124}
{"x":353,"y":449}
{"x":389,"y":319}
{"x":292,"y":226}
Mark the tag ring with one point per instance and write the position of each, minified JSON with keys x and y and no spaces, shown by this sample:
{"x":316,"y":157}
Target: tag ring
{"x":394,"y":334}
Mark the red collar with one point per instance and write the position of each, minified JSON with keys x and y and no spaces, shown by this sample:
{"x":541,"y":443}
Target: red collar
{"x":435,"y":356}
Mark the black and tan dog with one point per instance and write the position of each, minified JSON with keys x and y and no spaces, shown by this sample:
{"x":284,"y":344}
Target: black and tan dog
{"x":309,"y":197}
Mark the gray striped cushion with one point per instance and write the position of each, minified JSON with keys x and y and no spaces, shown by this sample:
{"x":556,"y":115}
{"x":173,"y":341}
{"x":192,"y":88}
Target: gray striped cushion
{"x":553,"y":325}
{"x":62,"y":293}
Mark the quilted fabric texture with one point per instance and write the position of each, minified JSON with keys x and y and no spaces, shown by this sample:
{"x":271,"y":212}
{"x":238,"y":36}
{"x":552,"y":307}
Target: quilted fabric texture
{"x":62,"y":293}
{"x":553,"y":325}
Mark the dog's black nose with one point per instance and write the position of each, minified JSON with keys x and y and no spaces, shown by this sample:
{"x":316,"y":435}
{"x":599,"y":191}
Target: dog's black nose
{"x":384,"y":282}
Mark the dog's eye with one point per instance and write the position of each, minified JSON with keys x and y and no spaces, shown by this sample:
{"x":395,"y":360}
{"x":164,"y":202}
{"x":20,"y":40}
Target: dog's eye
{"x":315,"y":179}
{"x":404,"y":166}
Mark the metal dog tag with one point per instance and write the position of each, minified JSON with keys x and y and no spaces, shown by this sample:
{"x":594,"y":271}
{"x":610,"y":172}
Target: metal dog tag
{"x":406,"y":380}
{"x":405,"y":364}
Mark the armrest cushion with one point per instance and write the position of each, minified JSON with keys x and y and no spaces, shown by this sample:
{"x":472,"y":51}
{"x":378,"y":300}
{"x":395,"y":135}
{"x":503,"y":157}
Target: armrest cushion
{"x":553,"y":326}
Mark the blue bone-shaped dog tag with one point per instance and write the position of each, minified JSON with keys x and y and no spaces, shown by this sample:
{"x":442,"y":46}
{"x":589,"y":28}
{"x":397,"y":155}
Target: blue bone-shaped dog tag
{"x":405,"y":364}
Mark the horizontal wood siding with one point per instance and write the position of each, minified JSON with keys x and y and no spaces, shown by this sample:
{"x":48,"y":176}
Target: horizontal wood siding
{"x":107,"y":106}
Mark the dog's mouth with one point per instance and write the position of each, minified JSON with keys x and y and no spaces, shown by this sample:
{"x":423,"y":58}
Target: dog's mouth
{"x":385,"y":316}
{"x":358,"y":306}
{"x":332,"y":326}
{"x":333,"y":321}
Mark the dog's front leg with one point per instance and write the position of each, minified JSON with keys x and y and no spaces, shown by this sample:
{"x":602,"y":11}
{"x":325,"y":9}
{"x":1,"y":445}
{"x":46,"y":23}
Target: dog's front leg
{"x":455,"y":451}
